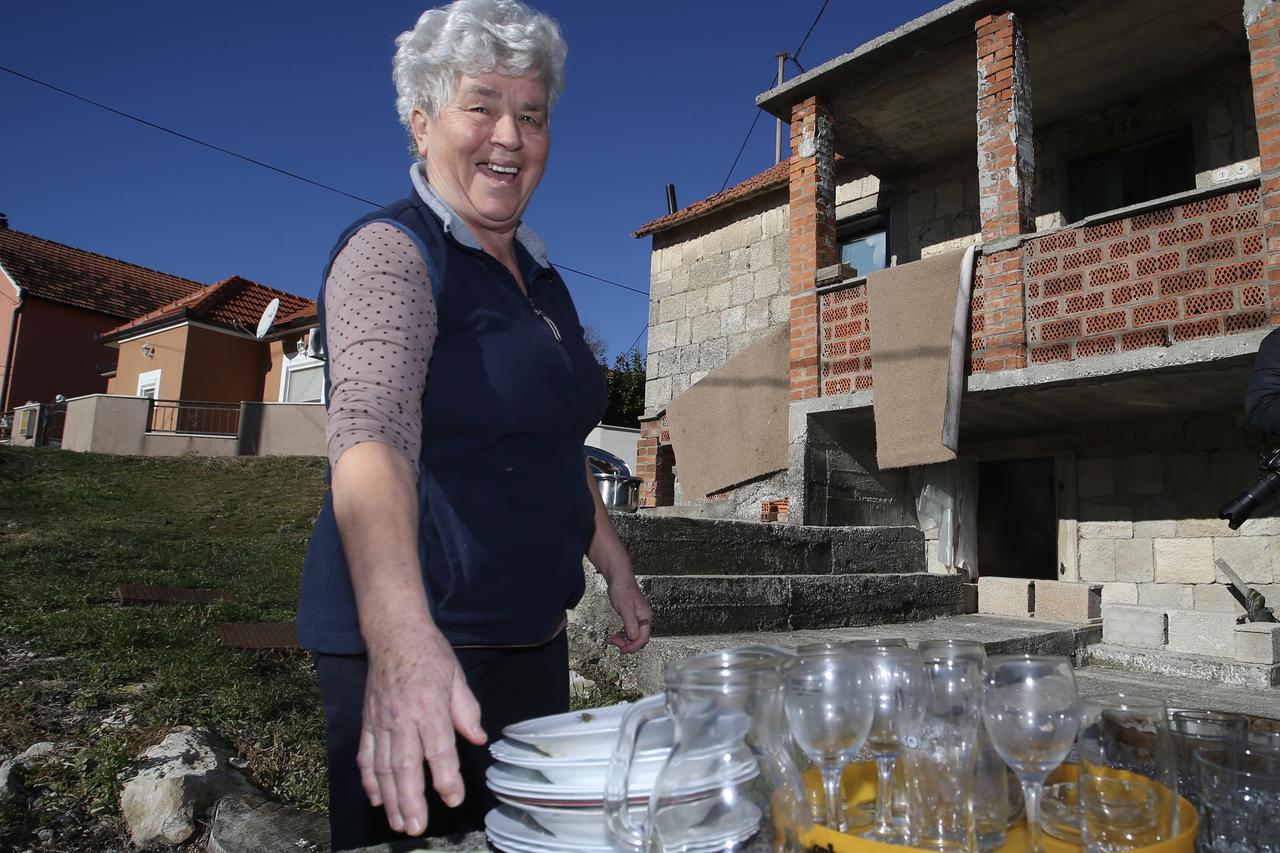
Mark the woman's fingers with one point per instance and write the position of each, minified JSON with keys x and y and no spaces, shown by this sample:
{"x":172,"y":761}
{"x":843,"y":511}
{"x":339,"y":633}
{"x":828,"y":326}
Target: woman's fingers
{"x":465,"y":712}
{"x":384,"y":771}
{"x":364,"y":760}
{"x":408,"y":780}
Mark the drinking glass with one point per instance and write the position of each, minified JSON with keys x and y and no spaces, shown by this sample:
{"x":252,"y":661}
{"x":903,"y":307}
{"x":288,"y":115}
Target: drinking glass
{"x":952,"y":649}
{"x":1194,"y":730}
{"x":1127,"y":785}
{"x":879,"y":643}
{"x":897,"y":692}
{"x":829,"y":710}
{"x":1032,"y":711}
{"x":1240,"y":790}
{"x":940,"y":757}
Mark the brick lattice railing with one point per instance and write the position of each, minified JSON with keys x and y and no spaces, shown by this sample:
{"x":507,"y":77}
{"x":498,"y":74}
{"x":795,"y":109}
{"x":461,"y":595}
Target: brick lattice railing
{"x":1193,"y":270}
{"x":1166,"y":275}
{"x":845,"y":319}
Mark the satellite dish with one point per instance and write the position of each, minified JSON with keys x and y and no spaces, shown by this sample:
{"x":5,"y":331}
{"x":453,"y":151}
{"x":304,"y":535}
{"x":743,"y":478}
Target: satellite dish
{"x":268,"y":317}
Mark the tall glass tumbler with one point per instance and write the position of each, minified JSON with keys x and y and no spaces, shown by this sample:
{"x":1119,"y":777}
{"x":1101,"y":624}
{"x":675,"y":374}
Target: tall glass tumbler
{"x":991,"y":804}
{"x":940,"y":757}
{"x":1196,"y":730}
{"x":1240,"y":790}
{"x":1128,"y":785}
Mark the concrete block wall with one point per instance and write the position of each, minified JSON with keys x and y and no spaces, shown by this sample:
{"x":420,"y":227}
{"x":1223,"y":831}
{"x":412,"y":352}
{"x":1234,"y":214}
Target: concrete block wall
{"x":1149,"y":496}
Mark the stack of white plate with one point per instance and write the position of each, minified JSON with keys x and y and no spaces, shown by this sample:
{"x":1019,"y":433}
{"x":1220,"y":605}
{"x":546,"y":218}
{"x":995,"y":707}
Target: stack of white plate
{"x":550,"y":776}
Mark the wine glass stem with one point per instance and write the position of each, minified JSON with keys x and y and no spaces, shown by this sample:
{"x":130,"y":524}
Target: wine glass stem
{"x":884,"y":793}
{"x":831,"y":794}
{"x":1031,"y":789}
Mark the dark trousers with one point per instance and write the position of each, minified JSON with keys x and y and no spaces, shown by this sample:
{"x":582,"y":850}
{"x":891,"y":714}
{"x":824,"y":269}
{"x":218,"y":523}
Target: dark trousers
{"x":511,"y":685}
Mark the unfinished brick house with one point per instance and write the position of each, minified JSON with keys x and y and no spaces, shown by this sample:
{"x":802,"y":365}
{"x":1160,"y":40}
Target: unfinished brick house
{"x":1115,"y":165}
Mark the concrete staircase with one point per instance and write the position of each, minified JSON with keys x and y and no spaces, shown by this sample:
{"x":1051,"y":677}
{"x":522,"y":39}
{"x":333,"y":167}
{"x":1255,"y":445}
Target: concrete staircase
{"x":712,"y":577}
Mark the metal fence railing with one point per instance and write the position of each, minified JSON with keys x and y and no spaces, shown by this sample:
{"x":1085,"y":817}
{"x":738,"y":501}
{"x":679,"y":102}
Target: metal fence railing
{"x":185,"y":416}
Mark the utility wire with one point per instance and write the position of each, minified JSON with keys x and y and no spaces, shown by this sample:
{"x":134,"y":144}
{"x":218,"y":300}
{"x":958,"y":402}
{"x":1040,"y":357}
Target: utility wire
{"x":794,"y":57}
{"x":254,"y":161}
{"x":184,"y":136}
{"x":637,"y":340}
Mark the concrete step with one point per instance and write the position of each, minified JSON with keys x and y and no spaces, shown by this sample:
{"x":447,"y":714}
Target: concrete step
{"x":692,"y":546}
{"x":999,"y":635}
{"x":718,"y":604}
{"x":1192,"y":667}
{"x":1260,"y":703}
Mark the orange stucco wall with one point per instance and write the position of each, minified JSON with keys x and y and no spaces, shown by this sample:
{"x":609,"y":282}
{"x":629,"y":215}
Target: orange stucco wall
{"x":222,"y":368}
{"x":55,"y":351}
{"x":275,"y":371}
{"x":169,"y":358}
{"x":8,"y":304}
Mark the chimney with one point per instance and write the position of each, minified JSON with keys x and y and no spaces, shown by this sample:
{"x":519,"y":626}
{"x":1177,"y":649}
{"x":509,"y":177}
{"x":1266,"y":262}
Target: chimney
{"x":671,"y":199}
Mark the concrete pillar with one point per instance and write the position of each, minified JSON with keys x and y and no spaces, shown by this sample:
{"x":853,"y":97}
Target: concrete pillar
{"x":1006,"y":154}
{"x":1262,"y":26}
{"x":813,"y":235}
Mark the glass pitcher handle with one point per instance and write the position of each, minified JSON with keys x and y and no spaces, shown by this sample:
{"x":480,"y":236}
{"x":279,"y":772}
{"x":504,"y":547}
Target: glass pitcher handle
{"x":617,"y":817}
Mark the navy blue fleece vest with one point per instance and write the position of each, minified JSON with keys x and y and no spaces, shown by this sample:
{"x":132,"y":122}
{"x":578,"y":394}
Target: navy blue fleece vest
{"x":504,"y":507}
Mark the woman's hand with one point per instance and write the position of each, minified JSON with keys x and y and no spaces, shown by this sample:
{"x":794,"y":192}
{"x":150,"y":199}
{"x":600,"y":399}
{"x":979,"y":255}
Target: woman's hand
{"x":416,"y":696}
{"x":607,"y":553}
{"x":630,"y":603}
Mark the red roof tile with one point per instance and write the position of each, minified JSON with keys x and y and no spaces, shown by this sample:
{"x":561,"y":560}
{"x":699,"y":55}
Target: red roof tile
{"x":69,"y":276}
{"x":302,"y":315}
{"x":771,"y":178}
{"x":236,"y":303}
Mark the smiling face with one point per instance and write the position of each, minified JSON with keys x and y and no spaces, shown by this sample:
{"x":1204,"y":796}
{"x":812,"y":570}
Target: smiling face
{"x":487,"y":149}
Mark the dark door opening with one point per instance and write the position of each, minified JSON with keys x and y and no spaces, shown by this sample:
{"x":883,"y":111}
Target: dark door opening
{"x":1017,"y":519}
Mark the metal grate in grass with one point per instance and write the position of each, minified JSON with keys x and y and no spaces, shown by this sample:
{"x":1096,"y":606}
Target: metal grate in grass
{"x":138,"y":594}
{"x":259,"y":635}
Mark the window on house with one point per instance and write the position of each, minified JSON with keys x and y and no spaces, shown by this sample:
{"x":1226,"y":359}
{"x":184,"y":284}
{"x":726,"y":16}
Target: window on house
{"x":864,"y":244}
{"x":304,"y":384}
{"x":1131,"y":174}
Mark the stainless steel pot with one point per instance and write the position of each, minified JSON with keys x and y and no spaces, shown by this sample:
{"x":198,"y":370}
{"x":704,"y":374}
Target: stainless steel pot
{"x":619,"y":493}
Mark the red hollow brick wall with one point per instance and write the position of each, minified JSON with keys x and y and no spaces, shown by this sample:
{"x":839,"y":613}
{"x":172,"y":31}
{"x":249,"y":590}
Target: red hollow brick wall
{"x":846,"y":340}
{"x":1193,"y":270}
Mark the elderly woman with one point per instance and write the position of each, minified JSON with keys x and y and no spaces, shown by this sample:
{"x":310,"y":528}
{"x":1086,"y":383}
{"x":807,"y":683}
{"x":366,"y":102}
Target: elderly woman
{"x":450,"y":543}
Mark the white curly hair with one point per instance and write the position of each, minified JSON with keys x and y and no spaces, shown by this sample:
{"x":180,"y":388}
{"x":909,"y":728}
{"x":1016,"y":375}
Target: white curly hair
{"x":474,"y":37}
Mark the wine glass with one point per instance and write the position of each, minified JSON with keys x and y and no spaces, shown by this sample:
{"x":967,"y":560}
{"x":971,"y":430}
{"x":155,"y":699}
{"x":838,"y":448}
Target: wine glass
{"x":829,"y":710}
{"x":897,"y":691}
{"x":1032,"y":710}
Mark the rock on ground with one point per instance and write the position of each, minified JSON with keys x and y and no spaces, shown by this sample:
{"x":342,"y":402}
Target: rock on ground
{"x":179,"y":781}
{"x":243,"y":823}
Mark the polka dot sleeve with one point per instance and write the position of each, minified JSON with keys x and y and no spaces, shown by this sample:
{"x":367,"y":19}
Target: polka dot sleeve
{"x":380,"y":328}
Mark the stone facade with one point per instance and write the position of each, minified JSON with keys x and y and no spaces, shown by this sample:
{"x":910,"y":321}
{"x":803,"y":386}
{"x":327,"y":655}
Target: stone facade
{"x":715,"y":286}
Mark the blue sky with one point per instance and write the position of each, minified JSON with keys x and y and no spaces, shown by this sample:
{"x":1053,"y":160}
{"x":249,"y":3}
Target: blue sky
{"x":656,"y":92}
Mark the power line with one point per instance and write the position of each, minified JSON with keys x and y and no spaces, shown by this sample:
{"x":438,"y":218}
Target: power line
{"x":184,"y":136}
{"x":560,"y":266}
{"x":794,"y":57}
{"x":254,"y":161}
{"x":637,"y":340}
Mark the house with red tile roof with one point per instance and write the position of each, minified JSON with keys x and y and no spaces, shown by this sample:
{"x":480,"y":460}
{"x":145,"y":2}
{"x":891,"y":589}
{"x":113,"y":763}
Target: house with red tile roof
{"x":55,"y":300}
{"x":204,"y":347}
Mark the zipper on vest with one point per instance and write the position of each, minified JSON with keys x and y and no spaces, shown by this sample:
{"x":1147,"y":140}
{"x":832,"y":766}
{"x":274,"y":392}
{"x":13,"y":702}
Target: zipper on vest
{"x":555,"y":330}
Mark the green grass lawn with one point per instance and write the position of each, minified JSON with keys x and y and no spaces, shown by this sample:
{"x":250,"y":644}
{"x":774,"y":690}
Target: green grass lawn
{"x":75,"y":526}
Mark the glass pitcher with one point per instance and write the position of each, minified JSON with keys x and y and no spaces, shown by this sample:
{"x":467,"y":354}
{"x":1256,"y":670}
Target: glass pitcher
{"x":730,"y":783}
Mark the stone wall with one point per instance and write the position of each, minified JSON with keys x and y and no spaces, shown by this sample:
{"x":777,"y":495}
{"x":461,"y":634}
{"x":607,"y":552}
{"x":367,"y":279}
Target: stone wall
{"x":715,"y":285}
{"x":1149,"y":497}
